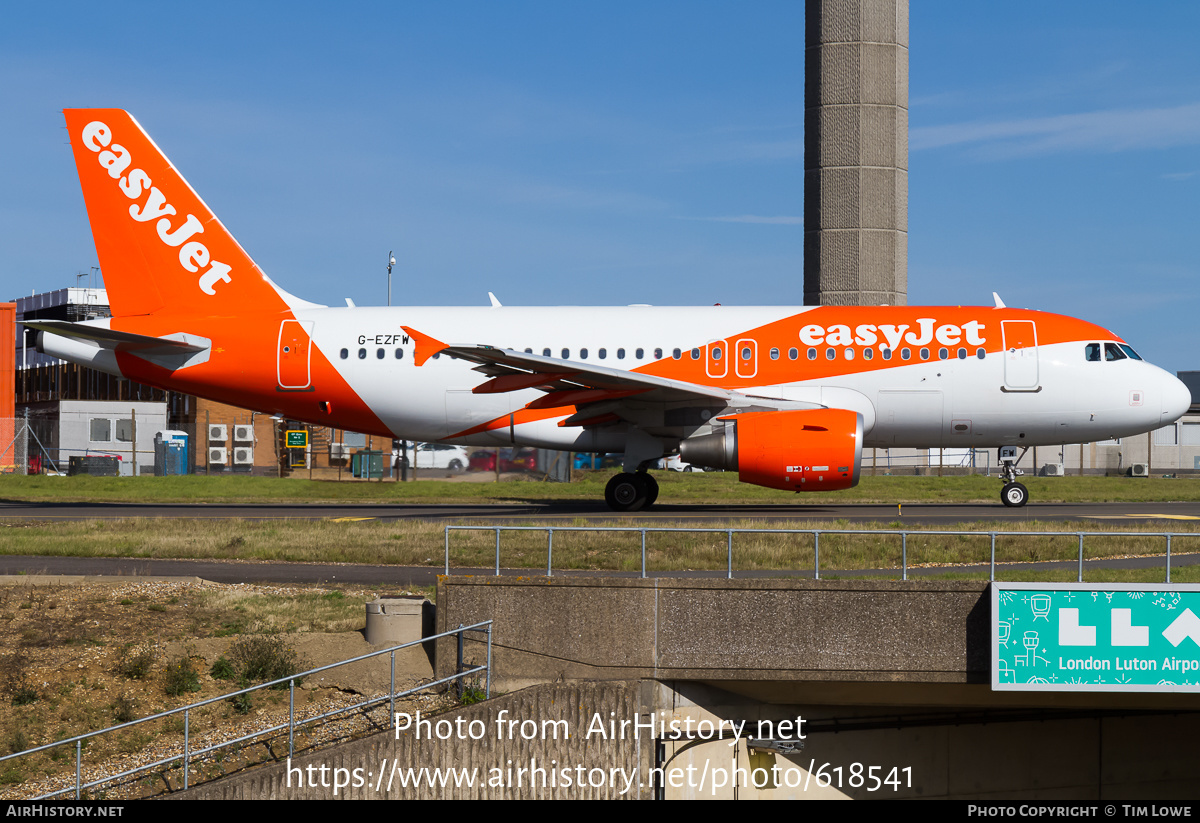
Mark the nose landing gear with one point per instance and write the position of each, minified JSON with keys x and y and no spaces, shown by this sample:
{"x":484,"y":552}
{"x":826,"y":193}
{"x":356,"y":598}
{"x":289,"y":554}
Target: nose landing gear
{"x":631,"y":491}
{"x":1014,"y":494}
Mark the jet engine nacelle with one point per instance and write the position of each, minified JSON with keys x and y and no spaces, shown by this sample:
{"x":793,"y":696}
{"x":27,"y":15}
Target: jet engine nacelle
{"x":799,"y":450}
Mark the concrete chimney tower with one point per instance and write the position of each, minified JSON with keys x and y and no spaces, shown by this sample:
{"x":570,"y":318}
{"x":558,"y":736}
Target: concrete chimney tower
{"x":856,"y":152}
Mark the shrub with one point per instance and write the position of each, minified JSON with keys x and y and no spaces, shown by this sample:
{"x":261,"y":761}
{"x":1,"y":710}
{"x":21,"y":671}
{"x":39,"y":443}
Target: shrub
{"x":123,"y":709}
{"x":223,"y":669}
{"x":472,"y":693}
{"x":181,"y":677}
{"x":134,"y":663}
{"x":265,"y":657}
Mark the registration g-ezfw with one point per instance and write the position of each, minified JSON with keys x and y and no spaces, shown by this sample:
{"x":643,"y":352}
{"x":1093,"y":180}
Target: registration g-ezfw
{"x":788,"y":397}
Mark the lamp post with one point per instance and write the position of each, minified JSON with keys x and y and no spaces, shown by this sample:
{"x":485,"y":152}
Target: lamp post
{"x":391,"y":262}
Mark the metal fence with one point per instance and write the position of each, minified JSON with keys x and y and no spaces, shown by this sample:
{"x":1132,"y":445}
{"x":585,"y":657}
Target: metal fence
{"x":21,"y":451}
{"x":187,"y":755}
{"x":816,"y":535}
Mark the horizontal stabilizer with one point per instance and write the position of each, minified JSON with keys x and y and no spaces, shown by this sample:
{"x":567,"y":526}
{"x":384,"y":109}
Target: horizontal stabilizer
{"x":172,"y":352}
{"x":121,"y":340}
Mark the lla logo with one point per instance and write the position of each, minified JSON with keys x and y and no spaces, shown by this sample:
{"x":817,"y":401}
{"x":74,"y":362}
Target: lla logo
{"x":193,"y":254}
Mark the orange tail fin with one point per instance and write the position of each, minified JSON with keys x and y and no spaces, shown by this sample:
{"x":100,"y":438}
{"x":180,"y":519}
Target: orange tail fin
{"x":160,"y":246}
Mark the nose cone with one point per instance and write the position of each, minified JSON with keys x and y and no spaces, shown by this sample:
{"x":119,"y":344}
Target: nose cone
{"x":1176,"y":399}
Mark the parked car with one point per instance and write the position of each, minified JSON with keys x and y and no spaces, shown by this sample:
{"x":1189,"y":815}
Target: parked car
{"x":583,"y":460}
{"x":511,"y":460}
{"x":482,"y":460}
{"x":518,"y":460}
{"x":675,"y":463}
{"x":439,"y":456}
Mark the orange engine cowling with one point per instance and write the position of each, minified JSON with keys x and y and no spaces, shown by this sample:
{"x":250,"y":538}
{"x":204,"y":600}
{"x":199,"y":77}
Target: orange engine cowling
{"x":800,"y":450}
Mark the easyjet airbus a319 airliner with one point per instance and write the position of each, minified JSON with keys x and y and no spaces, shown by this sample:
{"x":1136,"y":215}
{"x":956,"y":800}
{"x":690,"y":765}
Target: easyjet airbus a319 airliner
{"x":788,"y":397}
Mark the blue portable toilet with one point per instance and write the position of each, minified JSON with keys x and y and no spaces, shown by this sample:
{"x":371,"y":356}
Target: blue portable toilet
{"x":170,"y":453}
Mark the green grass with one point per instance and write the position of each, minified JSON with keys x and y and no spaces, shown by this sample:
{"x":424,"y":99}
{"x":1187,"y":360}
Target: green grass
{"x":419,"y":543}
{"x":713,"y":487}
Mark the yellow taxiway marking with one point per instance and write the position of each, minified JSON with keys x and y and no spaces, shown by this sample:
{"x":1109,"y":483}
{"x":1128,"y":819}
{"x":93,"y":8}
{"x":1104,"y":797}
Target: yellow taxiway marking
{"x":1144,"y":516}
{"x":348,"y":519}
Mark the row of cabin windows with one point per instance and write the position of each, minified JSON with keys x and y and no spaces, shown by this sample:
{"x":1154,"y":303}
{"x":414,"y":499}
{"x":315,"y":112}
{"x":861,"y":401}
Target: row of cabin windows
{"x":747,"y":353}
{"x":380,"y":354}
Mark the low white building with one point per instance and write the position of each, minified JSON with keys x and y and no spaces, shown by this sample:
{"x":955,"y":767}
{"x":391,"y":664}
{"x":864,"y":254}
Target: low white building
{"x":124,"y":429}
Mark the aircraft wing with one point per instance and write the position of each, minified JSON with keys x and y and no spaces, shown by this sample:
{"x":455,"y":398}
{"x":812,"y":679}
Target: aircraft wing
{"x":589,"y":387}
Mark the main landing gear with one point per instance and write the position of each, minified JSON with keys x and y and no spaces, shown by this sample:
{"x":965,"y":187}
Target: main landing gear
{"x":1013,"y":495}
{"x":631,"y":491}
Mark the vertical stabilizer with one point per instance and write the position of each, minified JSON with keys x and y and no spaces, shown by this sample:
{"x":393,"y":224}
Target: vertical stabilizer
{"x":160,"y":247}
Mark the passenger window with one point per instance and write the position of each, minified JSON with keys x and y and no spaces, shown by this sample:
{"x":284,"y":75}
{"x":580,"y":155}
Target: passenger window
{"x":545,"y":352}
{"x":603,"y":353}
{"x":793,"y":354}
{"x":583,"y":354}
{"x":962,"y":354}
{"x":746,"y":353}
{"x":1091,"y":352}
{"x":566,"y":354}
{"x":830,"y":354}
{"x":905,"y":354}
{"x":812,"y":354}
{"x":620,"y":354}
{"x":887,"y":354}
{"x":848,"y":353}
{"x":362,"y":354}
{"x":774,"y":354}
{"x":529,"y":351}
{"x":695,"y":354}
{"x":981,"y":353}
{"x":924,"y":354}
{"x":943,"y":354}
{"x":868,"y":354}
{"x":345,"y":353}
{"x":676,"y":353}
{"x":399,"y":354}
{"x":716,"y":352}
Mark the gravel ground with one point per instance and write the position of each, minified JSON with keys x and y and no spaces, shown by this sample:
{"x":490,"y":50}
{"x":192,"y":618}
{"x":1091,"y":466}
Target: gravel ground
{"x":66,"y":644}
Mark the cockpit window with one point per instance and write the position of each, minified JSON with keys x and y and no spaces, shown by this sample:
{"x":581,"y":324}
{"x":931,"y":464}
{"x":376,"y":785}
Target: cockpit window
{"x":1091,"y":352}
{"x":1129,"y":351}
{"x":1113,"y":352}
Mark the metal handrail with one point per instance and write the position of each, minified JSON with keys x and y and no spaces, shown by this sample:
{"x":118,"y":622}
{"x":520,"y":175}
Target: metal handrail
{"x":816,"y":535}
{"x":187,"y":755}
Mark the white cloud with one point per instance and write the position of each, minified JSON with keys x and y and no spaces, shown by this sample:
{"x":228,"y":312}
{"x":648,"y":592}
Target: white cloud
{"x":1102,"y":131}
{"x":752,"y":218}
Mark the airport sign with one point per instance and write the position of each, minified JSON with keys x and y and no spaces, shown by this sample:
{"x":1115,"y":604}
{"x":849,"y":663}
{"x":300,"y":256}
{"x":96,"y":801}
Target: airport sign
{"x":1095,"y":637}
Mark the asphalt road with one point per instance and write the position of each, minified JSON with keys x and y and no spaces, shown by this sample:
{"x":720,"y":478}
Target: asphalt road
{"x":927,"y":514}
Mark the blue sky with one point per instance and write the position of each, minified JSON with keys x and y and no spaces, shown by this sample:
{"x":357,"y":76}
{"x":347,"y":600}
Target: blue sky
{"x":570,"y":153}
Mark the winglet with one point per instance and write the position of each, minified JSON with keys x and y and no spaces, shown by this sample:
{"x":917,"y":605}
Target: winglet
{"x":424,"y":346}
{"x":999,"y":302}
{"x":495,"y":303}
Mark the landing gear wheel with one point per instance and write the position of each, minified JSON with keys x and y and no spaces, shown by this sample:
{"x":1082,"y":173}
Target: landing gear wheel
{"x":626,"y":492}
{"x":1014,"y":495}
{"x":651,"y":489}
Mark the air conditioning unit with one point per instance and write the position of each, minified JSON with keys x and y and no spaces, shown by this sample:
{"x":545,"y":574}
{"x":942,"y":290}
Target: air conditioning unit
{"x":243,"y":434}
{"x":1139,"y":470}
{"x":338,"y":451}
{"x":218,"y":432}
{"x":218,"y":455}
{"x":243,"y":456}
{"x":1053,"y":470}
